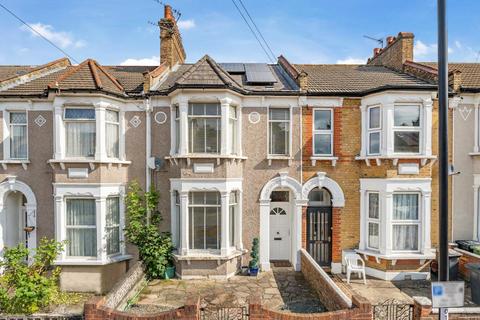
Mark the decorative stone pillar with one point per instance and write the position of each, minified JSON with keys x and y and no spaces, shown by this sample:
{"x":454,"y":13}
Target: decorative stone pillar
{"x":60,"y":232}
{"x":426,"y":235}
{"x":225,"y":134}
{"x":265,"y":235}
{"x":31,"y":222}
{"x":183,"y":249}
{"x":101,"y":208}
{"x":225,"y":224}
{"x":386,"y":223}
{"x":100,"y":149}
{"x":174,"y":219}
{"x":363,"y":132}
{"x":121,"y":138}
{"x":183,"y":109}
{"x":363,"y":220}
{"x":427,"y":136}
{"x":297,"y":232}
{"x":387,"y":145}
{"x":239,"y":222}
{"x":59,"y":133}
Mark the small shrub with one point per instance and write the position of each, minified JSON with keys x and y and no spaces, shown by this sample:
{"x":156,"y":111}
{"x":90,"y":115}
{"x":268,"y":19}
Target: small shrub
{"x":143,"y":220}
{"x":254,"y":254}
{"x":28,"y":288}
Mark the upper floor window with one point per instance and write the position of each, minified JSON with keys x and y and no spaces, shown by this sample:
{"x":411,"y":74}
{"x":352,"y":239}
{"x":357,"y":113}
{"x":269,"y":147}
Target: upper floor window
{"x":18,"y":135}
{"x":279,"y":131}
{"x":374,"y":130}
{"x":80,"y":132}
{"x":322,"y":132}
{"x":204,"y":123}
{"x":406,"y":129}
{"x":112,"y":133}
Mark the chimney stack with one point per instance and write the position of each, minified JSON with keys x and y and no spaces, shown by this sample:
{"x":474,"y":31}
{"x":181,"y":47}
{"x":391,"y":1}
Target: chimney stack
{"x":398,"y":50}
{"x":171,"y":46}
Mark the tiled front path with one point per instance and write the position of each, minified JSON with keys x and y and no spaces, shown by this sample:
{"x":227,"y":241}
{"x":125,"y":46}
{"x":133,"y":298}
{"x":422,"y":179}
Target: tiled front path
{"x":281,"y":289}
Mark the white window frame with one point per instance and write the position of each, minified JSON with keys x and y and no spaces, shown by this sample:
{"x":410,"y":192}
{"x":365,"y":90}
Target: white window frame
{"x":100,"y":193}
{"x":66,"y":226}
{"x":190,"y":131}
{"x":219,"y":225}
{"x":323,"y":132}
{"x":417,"y":222}
{"x":373,"y":130}
{"x":232,"y":222}
{"x":373,"y":221}
{"x":233,"y":143}
{"x":289,"y":137}
{"x":119,"y":131}
{"x":94,"y":121}
{"x":7,"y":134}
{"x":418,"y":129}
{"x":178,"y":130}
{"x":116,"y":225}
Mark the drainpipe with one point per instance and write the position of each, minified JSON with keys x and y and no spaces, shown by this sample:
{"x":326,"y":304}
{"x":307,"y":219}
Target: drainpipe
{"x":148,"y":147}
{"x":301,"y":141}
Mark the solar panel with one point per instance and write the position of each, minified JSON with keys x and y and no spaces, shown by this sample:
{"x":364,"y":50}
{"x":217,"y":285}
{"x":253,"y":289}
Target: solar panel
{"x":259,"y":73}
{"x":233,"y":67}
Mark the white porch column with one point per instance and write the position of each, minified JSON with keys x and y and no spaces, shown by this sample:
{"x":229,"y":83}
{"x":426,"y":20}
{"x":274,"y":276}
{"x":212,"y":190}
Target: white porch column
{"x":387,"y":124}
{"x":426,"y":235}
{"x":174,"y":219}
{"x":6,"y":135}
{"x":239,"y":222}
{"x":100,"y":208}
{"x":297,"y":233}
{"x":363,"y":132}
{"x":59,"y":133}
{"x":386,"y":218}
{"x":476,"y":124}
{"x":60,"y":232}
{"x":183,"y":250}
{"x":363,"y":220}
{"x":100,"y":150}
{"x":225,"y":224}
{"x":183,"y":109}
{"x":427,"y":135}
{"x":225,"y":136}
{"x":265,"y":235}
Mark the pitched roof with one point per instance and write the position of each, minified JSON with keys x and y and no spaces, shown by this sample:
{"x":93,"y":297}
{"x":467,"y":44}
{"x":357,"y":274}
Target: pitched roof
{"x":356,"y":79}
{"x":130,"y":77}
{"x":470,"y":73}
{"x":88,"y":75}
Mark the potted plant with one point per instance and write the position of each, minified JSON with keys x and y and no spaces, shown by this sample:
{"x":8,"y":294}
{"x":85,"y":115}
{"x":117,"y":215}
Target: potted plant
{"x":253,"y":265}
{"x":170,"y":269}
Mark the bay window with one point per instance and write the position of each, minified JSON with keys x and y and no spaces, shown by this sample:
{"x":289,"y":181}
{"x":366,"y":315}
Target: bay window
{"x":18,"y":135}
{"x":80,"y":132}
{"x":406,"y":130}
{"x":81,"y":228}
{"x":232,"y":126}
{"x":373,"y":220}
{"x":374,"y":130}
{"x":112,"y":133}
{"x":204,"y":125}
{"x":322,"y":132}
{"x":232,"y":211}
{"x":112,"y":225}
{"x":405,"y":222}
{"x":204,"y":220}
{"x":279,"y":131}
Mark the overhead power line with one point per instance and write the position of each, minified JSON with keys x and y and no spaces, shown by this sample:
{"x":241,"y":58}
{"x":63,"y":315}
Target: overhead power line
{"x":41,"y":35}
{"x":258,"y":30}
{"x":253,"y":32}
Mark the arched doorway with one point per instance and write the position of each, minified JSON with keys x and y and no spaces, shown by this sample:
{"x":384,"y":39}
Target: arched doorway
{"x":17,"y":214}
{"x":280,"y":225}
{"x":319,"y":226}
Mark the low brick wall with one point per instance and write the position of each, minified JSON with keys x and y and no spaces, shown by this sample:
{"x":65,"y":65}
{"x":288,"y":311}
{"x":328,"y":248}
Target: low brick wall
{"x":95,"y":309}
{"x":362,"y":310}
{"x":467,"y":257}
{"x":331,"y":296}
{"x":422,"y":310}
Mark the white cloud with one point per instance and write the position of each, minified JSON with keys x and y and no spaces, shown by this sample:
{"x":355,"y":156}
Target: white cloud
{"x":421,"y":49}
{"x":61,"y":38}
{"x":186,"y":24}
{"x":152,"y":61}
{"x":351,"y":60}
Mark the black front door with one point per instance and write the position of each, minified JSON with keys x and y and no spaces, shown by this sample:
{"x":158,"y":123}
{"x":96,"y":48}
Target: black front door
{"x":319,"y":234}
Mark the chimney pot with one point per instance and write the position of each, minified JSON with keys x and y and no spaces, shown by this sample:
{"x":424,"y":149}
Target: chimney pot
{"x":168,"y":12}
{"x":390,"y":40}
{"x":376,"y":51}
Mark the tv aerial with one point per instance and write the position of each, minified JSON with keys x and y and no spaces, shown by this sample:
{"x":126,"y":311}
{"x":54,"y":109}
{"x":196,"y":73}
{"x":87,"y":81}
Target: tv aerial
{"x":379,"y":41}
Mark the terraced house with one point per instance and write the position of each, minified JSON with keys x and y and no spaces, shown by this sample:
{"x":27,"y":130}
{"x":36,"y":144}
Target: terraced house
{"x":332,"y":158}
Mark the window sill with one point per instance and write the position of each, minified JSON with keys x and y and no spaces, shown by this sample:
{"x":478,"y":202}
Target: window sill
{"x":174,"y":158}
{"x":378,"y":158}
{"x":270,"y":158}
{"x":92,"y":262}
{"x":474,"y":154}
{"x":333,"y":159}
{"x":23,"y":163}
{"x":91,"y":162}
{"x":396,"y":256}
{"x":203,"y":255}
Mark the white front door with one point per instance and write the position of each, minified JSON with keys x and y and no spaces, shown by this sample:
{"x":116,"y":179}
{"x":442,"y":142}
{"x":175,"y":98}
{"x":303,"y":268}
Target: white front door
{"x":280,"y":231}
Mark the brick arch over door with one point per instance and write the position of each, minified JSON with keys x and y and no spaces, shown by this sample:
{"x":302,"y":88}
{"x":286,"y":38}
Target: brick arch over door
{"x":322,"y":181}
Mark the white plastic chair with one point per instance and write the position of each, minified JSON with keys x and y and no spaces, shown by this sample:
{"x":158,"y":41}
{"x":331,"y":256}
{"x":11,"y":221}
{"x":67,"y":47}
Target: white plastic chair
{"x":352,"y":260}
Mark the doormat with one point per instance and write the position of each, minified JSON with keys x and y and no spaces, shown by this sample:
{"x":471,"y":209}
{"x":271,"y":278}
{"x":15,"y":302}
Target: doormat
{"x":281,"y":263}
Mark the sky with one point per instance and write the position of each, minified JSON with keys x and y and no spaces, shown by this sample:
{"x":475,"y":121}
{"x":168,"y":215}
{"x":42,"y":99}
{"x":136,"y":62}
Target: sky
{"x":304,"y":31}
